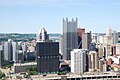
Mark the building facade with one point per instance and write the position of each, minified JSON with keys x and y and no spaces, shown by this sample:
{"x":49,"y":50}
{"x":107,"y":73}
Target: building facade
{"x":47,"y":57}
{"x":42,"y":35}
{"x":93,"y":61}
{"x":118,"y":37}
{"x":80,"y":31}
{"x":69,"y":37}
{"x":8,"y":50}
{"x":86,"y":40}
{"x":1,"y":55}
{"x":118,"y":49}
{"x":18,"y":67}
{"x":79,"y":61}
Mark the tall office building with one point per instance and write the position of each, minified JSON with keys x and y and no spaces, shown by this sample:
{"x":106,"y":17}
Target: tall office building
{"x":20,"y":56}
{"x":15,"y":48}
{"x":114,"y":50}
{"x":92,"y":47}
{"x":24,"y":49}
{"x":42,"y":35}
{"x":61,"y":45}
{"x":79,"y":61}
{"x":47,"y":57}
{"x":115,"y":37}
{"x":108,"y":37}
{"x":107,"y":51}
{"x":118,"y":37}
{"x":94,"y":38}
{"x":101,"y":65}
{"x":69,"y":37}
{"x":100,"y":50}
{"x":86,"y":40}
{"x":101,"y":39}
{"x":1,"y":55}
{"x":8,"y":50}
{"x":80,"y":31}
{"x":118,"y":49}
{"x":93,"y":61}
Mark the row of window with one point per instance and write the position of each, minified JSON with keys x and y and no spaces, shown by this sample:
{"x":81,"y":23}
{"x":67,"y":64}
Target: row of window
{"x":48,"y":56}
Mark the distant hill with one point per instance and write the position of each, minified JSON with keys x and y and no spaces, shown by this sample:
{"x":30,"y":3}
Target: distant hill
{"x":22,"y":37}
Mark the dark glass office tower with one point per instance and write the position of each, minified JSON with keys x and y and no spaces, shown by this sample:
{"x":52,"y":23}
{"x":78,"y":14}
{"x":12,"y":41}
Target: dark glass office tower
{"x":86,"y":40}
{"x":47,"y":57}
{"x":69,"y":37}
{"x":1,"y":55}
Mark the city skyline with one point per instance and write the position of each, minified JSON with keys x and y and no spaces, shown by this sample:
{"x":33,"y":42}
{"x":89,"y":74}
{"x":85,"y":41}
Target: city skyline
{"x":28,"y":16}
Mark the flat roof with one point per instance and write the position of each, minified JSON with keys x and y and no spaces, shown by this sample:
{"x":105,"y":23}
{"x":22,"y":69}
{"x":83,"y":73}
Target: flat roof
{"x":24,"y":64}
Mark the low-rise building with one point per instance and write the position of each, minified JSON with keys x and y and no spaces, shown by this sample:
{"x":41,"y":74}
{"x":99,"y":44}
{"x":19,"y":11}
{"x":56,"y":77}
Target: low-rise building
{"x":22,"y":67}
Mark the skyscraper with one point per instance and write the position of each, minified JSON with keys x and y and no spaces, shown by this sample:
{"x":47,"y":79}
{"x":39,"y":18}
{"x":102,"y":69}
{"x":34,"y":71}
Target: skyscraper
{"x":69,"y":37}
{"x":15,"y":48}
{"x":8,"y":50}
{"x":115,"y":37}
{"x":79,"y":61}
{"x":80,"y":31}
{"x":1,"y":55}
{"x":100,"y":51}
{"x":93,"y":61}
{"x":118,"y":49}
{"x":118,"y":37}
{"x":86,"y":40}
{"x":47,"y":57}
{"x":42,"y":35}
{"x":107,"y":51}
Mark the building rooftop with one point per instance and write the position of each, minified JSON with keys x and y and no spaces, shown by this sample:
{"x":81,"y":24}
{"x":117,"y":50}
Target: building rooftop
{"x":23,"y":64}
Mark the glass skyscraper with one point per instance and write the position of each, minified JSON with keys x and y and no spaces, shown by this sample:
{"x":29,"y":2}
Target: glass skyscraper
{"x":69,"y":37}
{"x":47,"y":57}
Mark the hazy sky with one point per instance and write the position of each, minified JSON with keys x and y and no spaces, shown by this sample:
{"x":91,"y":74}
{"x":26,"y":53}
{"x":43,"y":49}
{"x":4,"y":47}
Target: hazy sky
{"x":28,"y":16}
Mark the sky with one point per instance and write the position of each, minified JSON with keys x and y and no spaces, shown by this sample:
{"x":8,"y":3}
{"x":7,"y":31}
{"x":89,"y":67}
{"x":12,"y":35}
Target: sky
{"x":28,"y":16}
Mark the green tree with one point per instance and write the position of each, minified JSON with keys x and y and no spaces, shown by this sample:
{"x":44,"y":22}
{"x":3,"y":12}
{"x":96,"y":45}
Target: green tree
{"x":1,"y":74}
{"x":32,"y":70}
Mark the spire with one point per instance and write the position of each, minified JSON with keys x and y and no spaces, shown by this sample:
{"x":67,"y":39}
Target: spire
{"x":42,"y":30}
{"x":109,"y":31}
{"x":42,"y":35}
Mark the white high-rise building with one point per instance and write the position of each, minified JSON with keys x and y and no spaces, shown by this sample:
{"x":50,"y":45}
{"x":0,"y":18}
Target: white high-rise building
{"x":18,"y":52}
{"x":101,"y":39}
{"x":79,"y":61}
{"x":15,"y":48}
{"x":42,"y":35}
